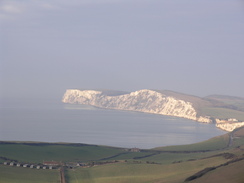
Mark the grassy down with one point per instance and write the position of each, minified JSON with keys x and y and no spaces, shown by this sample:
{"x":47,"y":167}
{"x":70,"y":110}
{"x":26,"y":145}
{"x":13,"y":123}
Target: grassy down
{"x":64,"y":153}
{"x":166,"y":164}
{"x":27,"y":175}
{"x":215,"y":143}
{"x":223,"y":113}
{"x":133,"y":172}
{"x":169,"y":158}
{"x":132,"y":155}
{"x":226,"y":174}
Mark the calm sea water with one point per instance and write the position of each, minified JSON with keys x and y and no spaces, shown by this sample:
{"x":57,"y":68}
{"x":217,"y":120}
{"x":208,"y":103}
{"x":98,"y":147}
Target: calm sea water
{"x":53,"y":121}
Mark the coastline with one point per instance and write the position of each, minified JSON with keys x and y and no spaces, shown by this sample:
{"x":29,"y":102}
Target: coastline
{"x":146,"y":101}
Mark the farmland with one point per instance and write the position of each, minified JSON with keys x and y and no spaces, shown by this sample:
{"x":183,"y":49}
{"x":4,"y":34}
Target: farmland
{"x":24,"y":175}
{"x":191,"y":163}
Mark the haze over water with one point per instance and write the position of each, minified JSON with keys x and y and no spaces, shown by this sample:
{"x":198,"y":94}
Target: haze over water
{"x":53,"y":121}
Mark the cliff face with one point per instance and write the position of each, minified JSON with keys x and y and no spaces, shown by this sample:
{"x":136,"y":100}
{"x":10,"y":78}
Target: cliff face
{"x":148,"y":101}
{"x":230,"y":126}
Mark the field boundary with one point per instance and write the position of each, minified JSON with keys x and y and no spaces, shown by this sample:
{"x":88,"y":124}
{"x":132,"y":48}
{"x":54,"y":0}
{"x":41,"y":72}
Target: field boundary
{"x":206,"y":170}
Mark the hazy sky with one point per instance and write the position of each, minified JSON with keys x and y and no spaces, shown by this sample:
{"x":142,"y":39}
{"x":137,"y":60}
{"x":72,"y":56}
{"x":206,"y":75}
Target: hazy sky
{"x":191,"y":46}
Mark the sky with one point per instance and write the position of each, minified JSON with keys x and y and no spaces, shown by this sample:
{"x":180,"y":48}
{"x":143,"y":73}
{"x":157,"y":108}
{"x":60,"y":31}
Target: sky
{"x":192,"y":46}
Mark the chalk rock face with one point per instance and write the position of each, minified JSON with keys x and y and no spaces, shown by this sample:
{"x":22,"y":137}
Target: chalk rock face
{"x":87,"y":97}
{"x":148,"y":101}
{"x":229,"y":127}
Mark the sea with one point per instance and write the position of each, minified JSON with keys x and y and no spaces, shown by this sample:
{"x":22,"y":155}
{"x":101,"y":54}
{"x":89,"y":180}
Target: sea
{"x":53,"y":121}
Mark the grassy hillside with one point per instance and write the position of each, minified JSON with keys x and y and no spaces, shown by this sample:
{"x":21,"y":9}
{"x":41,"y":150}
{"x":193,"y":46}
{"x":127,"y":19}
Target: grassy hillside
{"x":139,"y":172}
{"x":199,"y":162}
{"x":223,"y":113}
{"x":39,"y":152}
{"x":226,"y":174}
{"x":215,"y":143}
{"x":216,"y":106}
{"x":10,"y":174}
{"x":236,"y":103}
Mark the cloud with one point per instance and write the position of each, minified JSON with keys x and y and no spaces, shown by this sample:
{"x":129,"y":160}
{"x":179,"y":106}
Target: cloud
{"x":16,"y":6}
{"x":48,"y":6}
{"x":86,"y":2}
{"x":12,"y":8}
{"x":93,"y":1}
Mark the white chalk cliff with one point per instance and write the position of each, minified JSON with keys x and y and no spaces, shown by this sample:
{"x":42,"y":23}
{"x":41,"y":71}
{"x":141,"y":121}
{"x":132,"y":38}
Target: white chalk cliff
{"x":148,"y":101}
{"x":230,"y":126}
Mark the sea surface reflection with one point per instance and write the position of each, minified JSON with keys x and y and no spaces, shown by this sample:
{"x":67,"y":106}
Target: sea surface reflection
{"x":53,"y":121}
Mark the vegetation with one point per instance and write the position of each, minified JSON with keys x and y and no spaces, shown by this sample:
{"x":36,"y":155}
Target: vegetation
{"x":137,"y":172}
{"x":223,"y":113}
{"x":220,"y":159}
{"x":26,"y":175}
{"x":225,"y":174}
{"x":39,"y":152}
{"x":236,"y":103}
{"x":215,"y":106}
{"x":215,"y":143}
{"x":195,"y":163}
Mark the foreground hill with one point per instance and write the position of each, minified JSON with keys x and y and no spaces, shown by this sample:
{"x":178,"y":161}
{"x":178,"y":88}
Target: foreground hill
{"x":227,"y":112}
{"x":219,"y":159}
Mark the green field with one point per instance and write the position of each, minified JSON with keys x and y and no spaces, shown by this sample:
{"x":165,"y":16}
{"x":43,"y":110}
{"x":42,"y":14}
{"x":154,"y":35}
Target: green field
{"x":226,"y":174}
{"x":139,"y":172}
{"x":215,"y":106}
{"x":215,"y":143}
{"x":235,"y":102}
{"x":223,"y":113}
{"x":171,"y":164}
{"x":27,"y":175}
{"x":38,"y":152}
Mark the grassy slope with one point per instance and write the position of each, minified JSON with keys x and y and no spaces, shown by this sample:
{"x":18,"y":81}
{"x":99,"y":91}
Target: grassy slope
{"x":38,"y":153}
{"x":185,"y":164}
{"x":163,"y":166}
{"x":216,"y":106}
{"x":171,"y":158}
{"x":27,"y":175}
{"x":214,"y":143}
{"x":226,"y":174}
{"x":224,"y":107}
{"x":232,"y":172}
{"x":140,"y":172}
{"x":223,"y":113}
{"x":235,"y":102}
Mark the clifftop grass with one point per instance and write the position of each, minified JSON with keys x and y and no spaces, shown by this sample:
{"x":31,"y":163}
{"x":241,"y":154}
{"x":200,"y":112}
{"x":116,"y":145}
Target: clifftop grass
{"x":215,"y":143}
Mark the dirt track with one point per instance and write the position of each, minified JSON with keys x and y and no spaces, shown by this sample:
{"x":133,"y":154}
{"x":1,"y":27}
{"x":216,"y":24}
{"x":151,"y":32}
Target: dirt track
{"x":62,"y":177}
